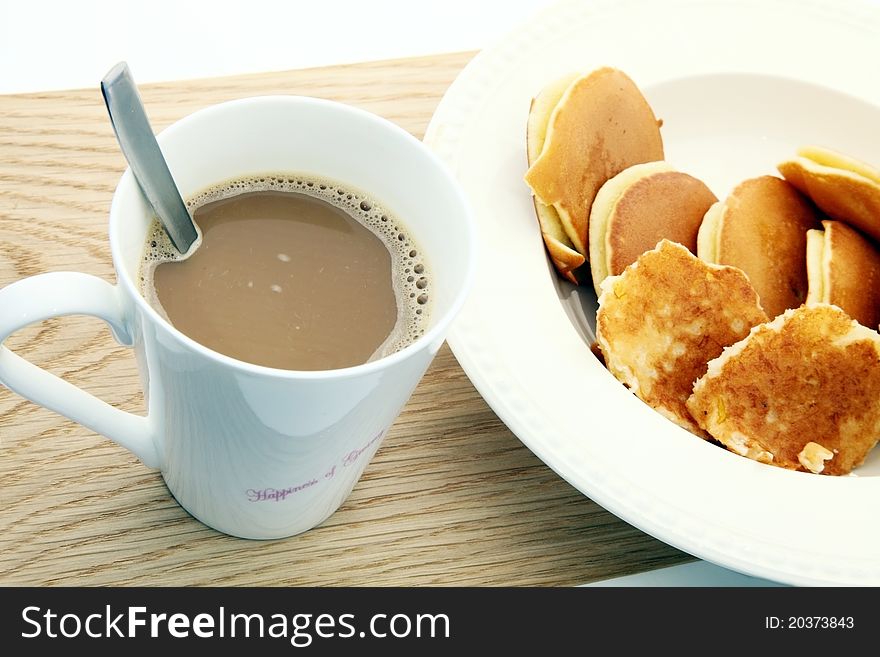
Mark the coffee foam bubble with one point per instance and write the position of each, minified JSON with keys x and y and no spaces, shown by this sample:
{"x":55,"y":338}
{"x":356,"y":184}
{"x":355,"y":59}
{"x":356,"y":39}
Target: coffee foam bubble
{"x":410,"y":275}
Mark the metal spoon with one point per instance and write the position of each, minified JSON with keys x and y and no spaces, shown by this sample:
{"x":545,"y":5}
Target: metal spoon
{"x":142,"y":151}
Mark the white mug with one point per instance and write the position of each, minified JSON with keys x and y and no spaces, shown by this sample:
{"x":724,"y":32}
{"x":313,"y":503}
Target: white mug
{"x":254,"y":451}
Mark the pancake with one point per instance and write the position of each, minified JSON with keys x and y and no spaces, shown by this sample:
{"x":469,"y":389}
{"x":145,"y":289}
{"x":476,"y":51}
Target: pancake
{"x":600,"y":125}
{"x":637,"y":208}
{"x":843,"y":268}
{"x":844,"y":188}
{"x":665,"y":317}
{"x":761,"y":227}
{"x":560,"y":248}
{"x":799,"y":392}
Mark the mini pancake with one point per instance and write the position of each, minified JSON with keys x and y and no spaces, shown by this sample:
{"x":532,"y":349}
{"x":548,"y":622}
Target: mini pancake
{"x":844,"y":188}
{"x":600,"y":126}
{"x":799,"y":392}
{"x":665,"y":317}
{"x":843,"y":268}
{"x":761,"y":227}
{"x":637,"y":208}
{"x":559,"y":246}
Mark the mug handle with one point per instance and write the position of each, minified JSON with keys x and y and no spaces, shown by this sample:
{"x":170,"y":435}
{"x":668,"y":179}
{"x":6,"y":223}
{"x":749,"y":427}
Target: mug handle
{"x":56,"y":294}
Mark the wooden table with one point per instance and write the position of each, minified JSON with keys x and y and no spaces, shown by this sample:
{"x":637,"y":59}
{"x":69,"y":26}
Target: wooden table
{"x":451,"y":498}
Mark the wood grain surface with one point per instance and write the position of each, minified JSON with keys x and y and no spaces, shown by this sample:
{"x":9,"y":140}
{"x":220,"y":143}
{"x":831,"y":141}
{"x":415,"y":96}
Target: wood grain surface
{"x":451,"y":498}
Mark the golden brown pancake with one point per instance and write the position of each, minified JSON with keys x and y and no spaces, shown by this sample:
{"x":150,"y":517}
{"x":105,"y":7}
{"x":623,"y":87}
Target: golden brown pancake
{"x":799,"y":392}
{"x":637,"y":208}
{"x":600,"y":126}
{"x":559,"y":246}
{"x":844,"y":269}
{"x":665,"y":317}
{"x":844,"y":188}
{"x":761,"y":227}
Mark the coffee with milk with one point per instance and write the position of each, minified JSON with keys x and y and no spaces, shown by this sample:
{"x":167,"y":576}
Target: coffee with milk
{"x":291,"y":272}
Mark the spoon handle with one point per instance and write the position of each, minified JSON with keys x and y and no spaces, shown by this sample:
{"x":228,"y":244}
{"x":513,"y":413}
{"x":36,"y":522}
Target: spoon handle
{"x":142,"y":151}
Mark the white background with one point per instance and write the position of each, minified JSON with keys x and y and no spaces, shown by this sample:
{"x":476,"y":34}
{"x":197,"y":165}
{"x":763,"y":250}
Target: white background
{"x":64,"y":44}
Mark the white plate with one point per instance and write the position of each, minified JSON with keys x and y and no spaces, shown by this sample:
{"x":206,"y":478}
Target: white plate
{"x":739,"y":85}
